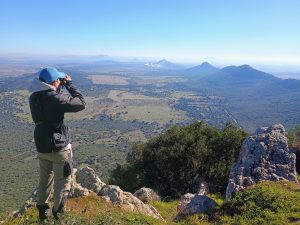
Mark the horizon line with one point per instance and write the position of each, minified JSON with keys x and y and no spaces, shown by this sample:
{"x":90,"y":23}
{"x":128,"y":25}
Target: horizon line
{"x":268,"y":61}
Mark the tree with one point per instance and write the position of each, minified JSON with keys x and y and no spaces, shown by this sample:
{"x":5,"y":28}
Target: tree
{"x":170,"y":162}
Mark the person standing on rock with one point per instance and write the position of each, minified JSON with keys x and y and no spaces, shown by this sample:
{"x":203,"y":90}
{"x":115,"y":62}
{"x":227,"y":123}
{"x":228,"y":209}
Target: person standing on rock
{"x":48,"y":106}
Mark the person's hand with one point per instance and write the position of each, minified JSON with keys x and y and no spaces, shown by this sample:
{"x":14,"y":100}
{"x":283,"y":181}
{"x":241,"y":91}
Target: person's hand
{"x":68,"y":77}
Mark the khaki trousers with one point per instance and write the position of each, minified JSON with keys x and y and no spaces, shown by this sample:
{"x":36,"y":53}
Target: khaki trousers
{"x":52,"y":175}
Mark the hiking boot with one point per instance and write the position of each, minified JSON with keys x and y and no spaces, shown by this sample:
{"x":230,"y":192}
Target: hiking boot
{"x":44,"y":212}
{"x":60,"y":210}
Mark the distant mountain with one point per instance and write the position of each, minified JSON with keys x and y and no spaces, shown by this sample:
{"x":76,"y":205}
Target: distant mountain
{"x":203,"y":69}
{"x":233,"y":79}
{"x":164,"y":65}
{"x":246,"y":72}
{"x":253,"y":97}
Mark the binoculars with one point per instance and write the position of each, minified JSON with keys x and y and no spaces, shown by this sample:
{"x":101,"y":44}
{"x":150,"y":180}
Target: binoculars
{"x":63,"y":81}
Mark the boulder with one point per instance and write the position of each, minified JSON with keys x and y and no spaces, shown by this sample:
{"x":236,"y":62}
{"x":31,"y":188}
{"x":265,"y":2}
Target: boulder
{"x":83,"y":183}
{"x":184,"y":200}
{"x":127,"y":201}
{"x":88,"y":179}
{"x":76,"y":189}
{"x":264,"y":156}
{"x":146,"y":195}
{"x":195,"y":203}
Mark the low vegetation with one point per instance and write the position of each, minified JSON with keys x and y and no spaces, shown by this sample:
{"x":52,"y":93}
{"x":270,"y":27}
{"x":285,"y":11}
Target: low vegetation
{"x":101,"y":139}
{"x":88,"y":210}
{"x":171,"y":162}
{"x":294,"y":143}
{"x":267,"y":203}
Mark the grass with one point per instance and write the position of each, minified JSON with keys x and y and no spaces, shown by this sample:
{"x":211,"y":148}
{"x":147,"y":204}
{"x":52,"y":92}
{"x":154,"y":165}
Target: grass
{"x":88,"y":210}
{"x":120,"y":95}
{"x":161,"y":113}
{"x":168,"y":211}
{"x":267,"y":203}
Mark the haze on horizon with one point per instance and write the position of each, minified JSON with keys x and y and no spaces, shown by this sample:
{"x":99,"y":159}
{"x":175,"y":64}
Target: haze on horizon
{"x":255,"y":32}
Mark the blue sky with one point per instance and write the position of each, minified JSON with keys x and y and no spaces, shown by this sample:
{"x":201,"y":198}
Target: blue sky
{"x":187,"y":30}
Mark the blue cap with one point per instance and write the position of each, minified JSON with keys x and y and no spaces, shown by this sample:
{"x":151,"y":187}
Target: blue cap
{"x":50,"y":74}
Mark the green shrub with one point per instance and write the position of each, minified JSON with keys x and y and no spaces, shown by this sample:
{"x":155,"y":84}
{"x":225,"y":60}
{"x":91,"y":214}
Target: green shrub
{"x":126,"y":177}
{"x":170,"y":162}
{"x":294,"y":137}
{"x":267,"y":203}
{"x":294,"y":143}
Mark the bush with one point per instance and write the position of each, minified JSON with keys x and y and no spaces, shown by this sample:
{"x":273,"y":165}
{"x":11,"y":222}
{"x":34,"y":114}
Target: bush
{"x":294,"y":143}
{"x":126,"y":177}
{"x":170,"y":162}
{"x":267,"y":203}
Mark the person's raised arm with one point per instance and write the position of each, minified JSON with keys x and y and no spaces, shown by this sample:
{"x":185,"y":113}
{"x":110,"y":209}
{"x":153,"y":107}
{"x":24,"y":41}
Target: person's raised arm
{"x":73,"y":103}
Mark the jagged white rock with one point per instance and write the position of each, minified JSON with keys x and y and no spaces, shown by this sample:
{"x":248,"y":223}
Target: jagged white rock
{"x":88,"y":179}
{"x":264,"y":156}
{"x":76,"y":189}
{"x":85,"y":181}
{"x":127,"y":201}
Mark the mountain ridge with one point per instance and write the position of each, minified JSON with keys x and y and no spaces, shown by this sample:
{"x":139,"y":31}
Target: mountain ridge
{"x":164,"y":65}
{"x":204,"y":68}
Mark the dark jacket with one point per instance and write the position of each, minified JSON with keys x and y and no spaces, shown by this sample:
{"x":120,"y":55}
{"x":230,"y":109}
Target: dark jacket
{"x":47,"y":110}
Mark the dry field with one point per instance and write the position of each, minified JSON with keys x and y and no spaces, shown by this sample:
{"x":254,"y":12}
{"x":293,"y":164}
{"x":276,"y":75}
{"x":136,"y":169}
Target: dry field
{"x":109,"y":80}
{"x":139,"y":107}
{"x":118,"y":104}
{"x":157,"y":81}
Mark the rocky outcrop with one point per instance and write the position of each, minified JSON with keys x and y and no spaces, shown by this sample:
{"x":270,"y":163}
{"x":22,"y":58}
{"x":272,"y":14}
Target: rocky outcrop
{"x":264,"y":156}
{"x":88,"y":179}
{"x":76,"y":189}
{"x":127,"y":201}
{"x":195,"y":203}
{"x":84,"y":182}
{"x":146,"y":195}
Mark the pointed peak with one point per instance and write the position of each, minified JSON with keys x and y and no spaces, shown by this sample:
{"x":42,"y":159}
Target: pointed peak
{"x":206,"y":64}
{"x":203,"y":68}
